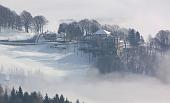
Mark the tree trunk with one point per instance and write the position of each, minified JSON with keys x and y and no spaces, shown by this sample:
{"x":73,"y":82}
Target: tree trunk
{"x":26,"y":29}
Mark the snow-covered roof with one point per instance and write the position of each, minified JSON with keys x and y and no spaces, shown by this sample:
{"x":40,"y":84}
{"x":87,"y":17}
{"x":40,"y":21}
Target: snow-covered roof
{"x":121,"y":41}
{"x":101,"y":32}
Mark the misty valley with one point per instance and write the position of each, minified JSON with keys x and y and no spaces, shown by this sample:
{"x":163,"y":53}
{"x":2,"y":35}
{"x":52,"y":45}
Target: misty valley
{"x":83,"y":61}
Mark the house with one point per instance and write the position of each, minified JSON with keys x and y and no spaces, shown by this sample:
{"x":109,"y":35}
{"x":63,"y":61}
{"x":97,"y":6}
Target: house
{"x":101,"y":33}
{"x":99,"y":36}
{"x":61,"y":37}
{"x":50,"y":36}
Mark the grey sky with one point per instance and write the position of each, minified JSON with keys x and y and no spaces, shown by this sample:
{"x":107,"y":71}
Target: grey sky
{"x":148,"y":16}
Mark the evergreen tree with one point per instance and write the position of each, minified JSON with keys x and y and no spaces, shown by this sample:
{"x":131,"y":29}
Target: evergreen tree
{"x":56,"y":99}
{"x":67,"y":101}
{"x":20,"y":92}
{"x":134,"y":38}
{"x":77,"y":101}
{"x":1,"y":94}
{"x":12,"y":98}
{"x":1,"y":91}
{"x":26,"y":98}
{"x":19,"y":95}
{"x":46,"y":99}
{"x":34,"y":97}
{"x":62,"y":99}
{"x":6,"y":97}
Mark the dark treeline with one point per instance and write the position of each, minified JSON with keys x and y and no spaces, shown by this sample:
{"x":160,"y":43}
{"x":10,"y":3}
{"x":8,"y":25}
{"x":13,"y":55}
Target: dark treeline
{"x":18,"y":96}
{"x":75,"y":30}
{"x":10,"y":19}
{"x":124,"y":50}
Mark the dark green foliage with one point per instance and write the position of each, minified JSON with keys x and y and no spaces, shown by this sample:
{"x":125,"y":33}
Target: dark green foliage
{"x":77,"y":101}
{"x":36,"y":98}
{"x":62,"y":99}
{"x":17,"y":96}
{"x":62,"y":28}
{"x":6,"y":97}
{"x":27,"y":98}
{"x":1,"y":94}
{"x":56,"y":99}
{"x":12,"y":98}
{"x":134,"y":37}
{"x":1,"y":90}
{"x":66,"y":101}
{"x":20,"y":93}
{"x":46,"y":99}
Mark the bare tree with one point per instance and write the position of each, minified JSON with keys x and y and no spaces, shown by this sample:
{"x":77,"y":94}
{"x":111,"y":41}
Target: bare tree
{"x":39,"y":22}
{"x":26,"y":18}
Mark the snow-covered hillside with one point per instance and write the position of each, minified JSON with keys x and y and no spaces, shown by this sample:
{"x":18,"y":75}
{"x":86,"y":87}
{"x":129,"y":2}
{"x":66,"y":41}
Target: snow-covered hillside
{"x":9,"y":34}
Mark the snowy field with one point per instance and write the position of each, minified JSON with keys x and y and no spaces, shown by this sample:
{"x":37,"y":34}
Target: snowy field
{"x":9,"y":34}
{"x":51,"y":70}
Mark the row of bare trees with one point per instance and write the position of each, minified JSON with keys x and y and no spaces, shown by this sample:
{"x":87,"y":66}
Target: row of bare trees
{"x":76,"y":30}
{"x":10,"y":19}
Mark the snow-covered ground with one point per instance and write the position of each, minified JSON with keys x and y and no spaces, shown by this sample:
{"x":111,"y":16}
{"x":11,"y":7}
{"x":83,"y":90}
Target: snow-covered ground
{"x":45,"y":69}
{"x":9,"y":34}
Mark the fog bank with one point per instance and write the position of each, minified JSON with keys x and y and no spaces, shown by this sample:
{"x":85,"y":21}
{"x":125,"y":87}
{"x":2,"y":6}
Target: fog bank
{"x":51,"y":71}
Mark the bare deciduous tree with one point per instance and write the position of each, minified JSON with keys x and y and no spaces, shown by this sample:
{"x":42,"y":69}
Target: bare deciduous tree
{"x":26,"y":18}
{"x":39,"y":22}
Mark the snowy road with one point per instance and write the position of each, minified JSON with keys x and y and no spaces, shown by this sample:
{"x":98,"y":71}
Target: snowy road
{"x":41,"y":68}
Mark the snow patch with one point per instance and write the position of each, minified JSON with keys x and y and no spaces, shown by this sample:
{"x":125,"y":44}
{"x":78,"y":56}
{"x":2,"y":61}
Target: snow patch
{"x":11,"y":35}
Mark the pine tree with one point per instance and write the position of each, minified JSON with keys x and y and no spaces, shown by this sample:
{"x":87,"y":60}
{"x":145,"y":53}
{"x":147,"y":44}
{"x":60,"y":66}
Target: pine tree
{"x":20,"y":92}
{"x":134,"y":37}
{"x":56,"y":99}
{"x":1,"y":94}
{"x":46,"y":99}
{"x":6,"y":97}
{"x":19,"y":96}
{"x":77,"y":101}
{"x":67,"y":101}
{"x":62,"y":99}
{"x":26,"y":98}
{"x":12,"y":98}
